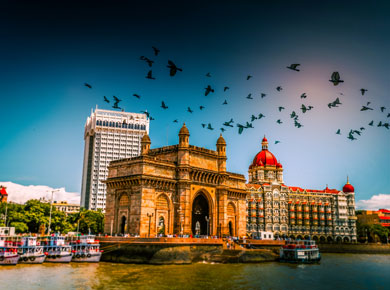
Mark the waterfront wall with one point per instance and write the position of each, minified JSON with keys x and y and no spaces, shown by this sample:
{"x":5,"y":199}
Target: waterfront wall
{"x":178,"y":251}
{"x":355,"y":248}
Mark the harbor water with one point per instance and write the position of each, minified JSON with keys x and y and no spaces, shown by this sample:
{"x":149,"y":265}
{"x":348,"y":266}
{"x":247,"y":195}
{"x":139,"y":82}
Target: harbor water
{"x":335,"y":271}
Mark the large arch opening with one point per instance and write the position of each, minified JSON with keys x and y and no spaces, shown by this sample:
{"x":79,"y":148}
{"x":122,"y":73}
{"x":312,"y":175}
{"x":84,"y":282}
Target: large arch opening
{"x":231,"y":233}
{"x":123,"y":225}
{"x":200,"y":216}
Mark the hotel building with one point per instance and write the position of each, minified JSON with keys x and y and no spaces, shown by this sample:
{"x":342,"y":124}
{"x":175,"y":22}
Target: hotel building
{"x":288,"y":211}
{"x":109,"y":135}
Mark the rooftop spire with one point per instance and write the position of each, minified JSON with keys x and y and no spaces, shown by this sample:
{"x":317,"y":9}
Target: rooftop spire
{"x":264,"y":144}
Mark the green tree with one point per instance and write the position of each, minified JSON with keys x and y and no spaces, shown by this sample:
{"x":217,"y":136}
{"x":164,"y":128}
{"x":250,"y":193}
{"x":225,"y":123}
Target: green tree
{"x":87,"y":220}
{"x":20,"y":227}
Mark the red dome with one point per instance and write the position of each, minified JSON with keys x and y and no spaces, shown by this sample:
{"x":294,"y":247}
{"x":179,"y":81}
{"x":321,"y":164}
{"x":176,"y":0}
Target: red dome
{"x":348,"y":188}
{"x":264,"y":157}
{"x":279,"y":165}
{"x":265,"y":139}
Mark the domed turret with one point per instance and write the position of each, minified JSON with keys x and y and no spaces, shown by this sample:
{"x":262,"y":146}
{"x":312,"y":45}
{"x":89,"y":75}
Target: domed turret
{"x":145,"y":144}
{"x":348,"y":187}
{"x":221,"y":149}
{"x":221,"y":140}
{"x":184,"y":135}
{"x":264,"y":157}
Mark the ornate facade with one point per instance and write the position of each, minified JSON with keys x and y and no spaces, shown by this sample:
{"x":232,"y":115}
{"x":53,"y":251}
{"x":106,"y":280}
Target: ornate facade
{"x":179,"y":189}
{"x":325,"y":215}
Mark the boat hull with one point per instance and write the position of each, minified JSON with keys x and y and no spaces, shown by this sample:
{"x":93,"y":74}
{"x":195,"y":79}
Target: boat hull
{"x":300,"y":261}
{"x":10,"y":260}
{"x":32,"y":259}
{"x":85,"y":258}
{"x":61,"y":259}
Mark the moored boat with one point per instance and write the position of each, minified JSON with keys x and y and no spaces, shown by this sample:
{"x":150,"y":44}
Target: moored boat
{"x":86,"y":249}
{"x":30,"y":251}
{"x":301,"y":251}
{"x":56,"y":250}
{"x":8,"y":252}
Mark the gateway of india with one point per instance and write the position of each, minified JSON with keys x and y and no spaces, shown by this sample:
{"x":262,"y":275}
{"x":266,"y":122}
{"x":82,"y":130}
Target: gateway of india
{"x":185,"y":189}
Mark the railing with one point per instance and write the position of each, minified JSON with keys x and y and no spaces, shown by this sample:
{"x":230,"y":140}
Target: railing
{"x":163,"y":240}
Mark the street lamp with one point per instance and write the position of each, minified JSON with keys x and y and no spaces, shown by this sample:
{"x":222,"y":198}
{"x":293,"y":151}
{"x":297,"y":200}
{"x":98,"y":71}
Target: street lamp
{"x":51,"y":205}
{"x":149,"y":215}
{"x":207,"y":220}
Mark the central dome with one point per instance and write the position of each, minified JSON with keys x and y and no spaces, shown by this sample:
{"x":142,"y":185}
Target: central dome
{"x":264,"y":157}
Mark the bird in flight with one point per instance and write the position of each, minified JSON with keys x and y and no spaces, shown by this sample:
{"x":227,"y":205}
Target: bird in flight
{"x":222,"y":129}
{"x":248,"y":125}
{"x":338,"y":132}
{"x":294,"y":66}
{"x":303,"y":108}
{"x":146,"y":113}
{"x":208,"y":75}
{"x":277,"y":142}
{"x":279,"y":121}
{"x":149,"y":61}
{"x":115,"y":106}
{"x":224,"y":103}
{"x":248,"y":77}
{"x":279,"y":88}
{"x":163,"y":105}
{"x":156,"y":50}
{"x":371,"y":123}
{"x":280,"y":109}
{"x":293,"y":114}
{"x":151,"y":119}
{"x":335,"y":78}
{"x":253,"y":117}
{"x":149,"y":76}
{"x":263,"y":95}
{"x":189,"y":110}
{"x":260,"y":116}
{"x":88,"y":85}
{"x":209,"y":127}
{"x":203,"y":125}
{"x":249,"y":97}
{"x":297,"y":124}
{"x":240,"y":128}
{"x":208,"y":90}
{"x":382,"y":109}
{"x":365,"y":108}
{"x":334,"y":103}
{"x":137,"y":96}
{"x":363,"y":91}
{"x":116,"y":100}
{"x":225,"y":89}
{"x":303,"y":96}
{"x":106,"y":100}
{"x":172,"y":68}
{"x":229,"y":123}
{"x":201,"y":107}
{"x":388,"y":115}
{"x":350,"y":136}
{"x":175,"y":121}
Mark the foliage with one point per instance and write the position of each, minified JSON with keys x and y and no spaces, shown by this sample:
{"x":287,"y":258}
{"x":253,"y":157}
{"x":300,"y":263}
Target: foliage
{"x":373,"y":232}
{"x":34,"y":216}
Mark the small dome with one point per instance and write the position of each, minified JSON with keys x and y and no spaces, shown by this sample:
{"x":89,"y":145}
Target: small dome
{"x":264,"y":139}
{"x":278,"y":165}
{"x":184,"y":130}
{"x":221,"y":140}
{"x":145,"y":139}
{"x":348,"y":187}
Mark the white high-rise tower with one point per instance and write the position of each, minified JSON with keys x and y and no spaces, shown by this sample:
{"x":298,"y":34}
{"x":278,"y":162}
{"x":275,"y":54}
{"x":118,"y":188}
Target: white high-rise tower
{"x":109,"y":135}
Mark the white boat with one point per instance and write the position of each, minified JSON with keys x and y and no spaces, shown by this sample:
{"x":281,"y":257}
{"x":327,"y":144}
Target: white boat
{"x":30,"y":252}
{"x":86,"y":249}
{"x":8,"y":252}
{"x":56,"y":250}
{"x":301,"y":251}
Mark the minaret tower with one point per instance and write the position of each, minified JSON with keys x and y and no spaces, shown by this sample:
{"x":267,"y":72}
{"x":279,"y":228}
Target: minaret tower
{"x":221,"y":149}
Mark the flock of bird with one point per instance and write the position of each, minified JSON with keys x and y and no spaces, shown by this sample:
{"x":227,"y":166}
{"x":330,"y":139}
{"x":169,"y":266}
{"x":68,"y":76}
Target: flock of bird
{"x":174,"y":69}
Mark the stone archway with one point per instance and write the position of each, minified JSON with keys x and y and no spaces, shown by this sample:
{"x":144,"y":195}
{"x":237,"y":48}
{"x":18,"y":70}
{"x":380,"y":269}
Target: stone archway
{"x":163,"y":218}
{"x":339,"y":239}
{"x":329,"y":239}
{"x":123,"y":227}
{"x":322,"y":239}
{"x":346,"y":240}
{"x":231,"y":217}
{"x":200,"y":216}
{"x":230,"y":226}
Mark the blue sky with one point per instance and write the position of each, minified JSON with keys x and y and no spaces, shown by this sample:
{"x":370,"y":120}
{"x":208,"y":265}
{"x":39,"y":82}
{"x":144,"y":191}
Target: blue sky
{"x":51,"y":49}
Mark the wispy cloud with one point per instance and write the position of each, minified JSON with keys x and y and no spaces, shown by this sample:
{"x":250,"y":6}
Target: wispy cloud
{"x":20,"y":193}
{"x":375,"y":202}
